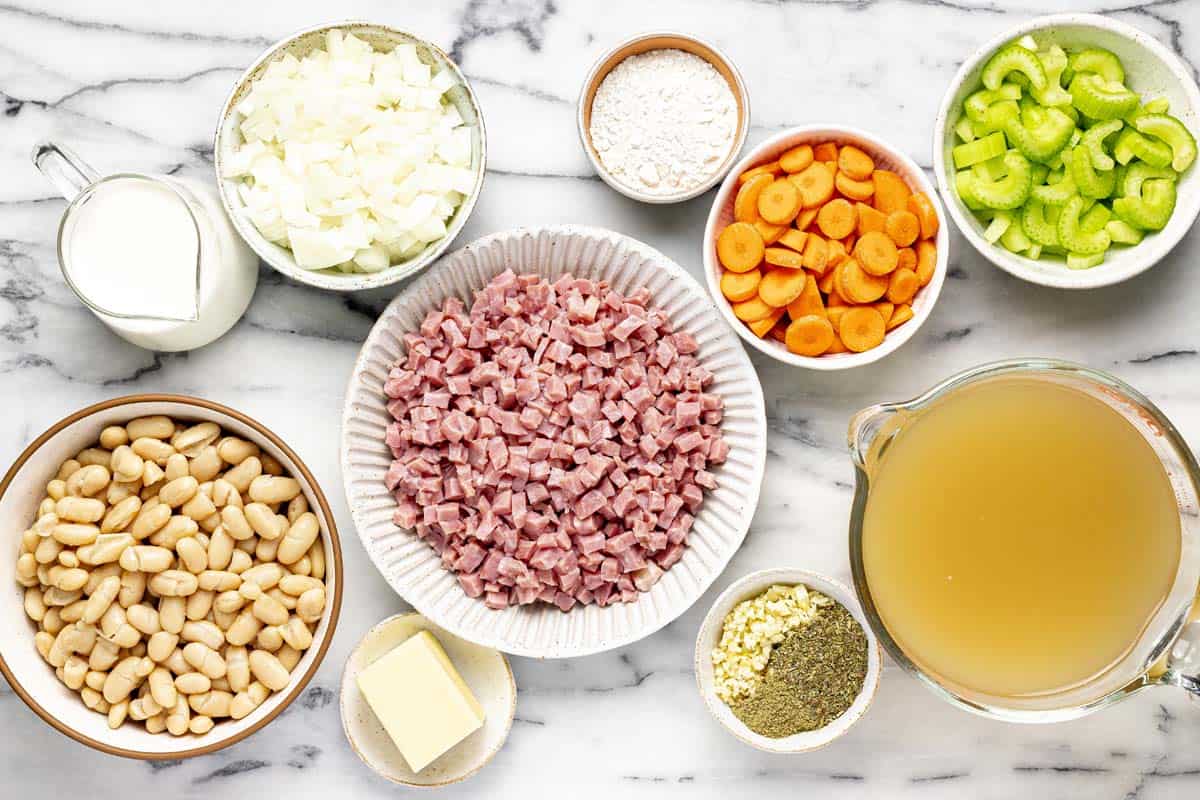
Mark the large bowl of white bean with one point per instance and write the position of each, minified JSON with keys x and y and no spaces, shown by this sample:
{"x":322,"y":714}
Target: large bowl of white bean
{"x":173,"y":576}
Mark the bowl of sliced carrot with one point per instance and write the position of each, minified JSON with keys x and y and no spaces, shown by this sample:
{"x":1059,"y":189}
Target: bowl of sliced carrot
{"x":824,"y":248}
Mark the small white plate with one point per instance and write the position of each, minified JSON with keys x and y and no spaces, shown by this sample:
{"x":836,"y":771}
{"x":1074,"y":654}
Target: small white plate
{"x":485,"y":670}
{"x":751,"y":586}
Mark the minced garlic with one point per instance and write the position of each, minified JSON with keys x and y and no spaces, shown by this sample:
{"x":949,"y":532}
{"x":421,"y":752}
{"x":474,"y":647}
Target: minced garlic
{"x":751,"y":629}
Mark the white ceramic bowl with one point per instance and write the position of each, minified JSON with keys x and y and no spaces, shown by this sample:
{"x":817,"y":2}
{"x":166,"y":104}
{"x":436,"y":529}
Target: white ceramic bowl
{"x":411,"y":566}
{"x":642,"y":43}
{"x":228,"y":137}
{"x":484,"y":670}
{"x":33,"y":679}
{"x":886,"y":157}
{"x":1152,"y":70}
{"x":710,"y":634}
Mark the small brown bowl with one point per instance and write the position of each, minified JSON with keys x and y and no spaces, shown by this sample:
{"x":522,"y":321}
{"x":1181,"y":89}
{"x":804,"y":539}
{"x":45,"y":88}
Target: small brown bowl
{"x":663,"y":40}
{"x":33,"y":679}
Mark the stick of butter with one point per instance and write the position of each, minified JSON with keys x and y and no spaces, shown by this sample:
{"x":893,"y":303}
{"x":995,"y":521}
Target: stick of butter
{"x":420,"y":698}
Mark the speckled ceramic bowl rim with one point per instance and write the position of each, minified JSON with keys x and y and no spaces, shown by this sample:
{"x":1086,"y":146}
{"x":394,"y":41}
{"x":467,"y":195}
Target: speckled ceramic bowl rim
{"x":785,"y":575}
{"x":355,"y":282}
{"x":596,"y":75}
{"x":893,"y":339}
{"x":1155,"y":248}
{"x":332,"y":608}
{"x":512,"y":709}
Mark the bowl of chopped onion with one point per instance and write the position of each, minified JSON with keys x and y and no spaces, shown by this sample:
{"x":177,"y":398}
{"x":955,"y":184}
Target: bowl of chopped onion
{"x":350,"y":155}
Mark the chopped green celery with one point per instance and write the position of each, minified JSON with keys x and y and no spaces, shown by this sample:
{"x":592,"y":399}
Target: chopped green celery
{"x":1121,"y":232}
{"x":1041,"y":135}
{"x":1014,"y":58}
{"x":1028,"y":42}
{"x":1088,"y":203}
{"x":1092,"y":184}
{"x":1130,"y":145}
{"x":1095,"y":219}
{"x":977,"y":104}
{"x":964,"y":130}
{"x":1102,"y":62}
{"x":1056,"y":163}
{"x":1152,"y":209}
{"x":1015,"y":240}
{"x":1040,"y":171}
{"x":1034,"y":251}
{"x":1139,"y":172}
{"x":1054,"y":61}
{"x":1010,"y":191}
{"x":1072,"y":112}
{"x":1082,"y":261}
{"x":1157,"y":105}
{"x":1073,"y":237}
{"x":991,"y":170}
{"x":1035,"y":225}
{"x":1174,"y":133}
{"x":1057,"y":192}
{"x":998,"y":226}
{"x":1100,"y":99}
{"x":971,"y":153}
{"x":1093,"y":142}
{"x":964,"y":184}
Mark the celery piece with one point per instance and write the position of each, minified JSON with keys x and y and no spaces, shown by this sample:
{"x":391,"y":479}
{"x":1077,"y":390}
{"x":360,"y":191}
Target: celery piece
{"x":1073,"y":237}
{"x":1152,"y":209}
{"x":1138,"y":172}
{"x":1095,"y":219}
{"x":1028,"y":42}
{"x":1014,"y":58}
{"x":1014,"y":239}
{"x":964,"y":184}
{"x":1174,"y":133}
{"x":991,"y":170}
{"x":1100,"y":99}
{"x":1121,"y":232}
{"x":1057,"y":192}
{"x":1054,"y":62}
{"x":1034,"y":251}
{"x":1101,"y":62}
{"x":1084,"y":261}
{"x":1040,"y":171}
{"x":964,"y":130}
{"x":1091,"y":184}
{"x":1041,"y":135}
{"x":970,"y":153}
{"x":998,"y":226}
{"x":1130,"y":145}
{"x":1035,"y":224}
{"x":1093,"y":142}
{"x":1010,"y":191}
{"x":1157,"y":105}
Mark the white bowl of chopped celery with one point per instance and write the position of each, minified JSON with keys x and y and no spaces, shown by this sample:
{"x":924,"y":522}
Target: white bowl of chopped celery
{"x":1065,"y":150}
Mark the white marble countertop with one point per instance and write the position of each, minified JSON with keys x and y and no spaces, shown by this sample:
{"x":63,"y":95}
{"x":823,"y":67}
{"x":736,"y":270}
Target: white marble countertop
{"x":138,"y":86}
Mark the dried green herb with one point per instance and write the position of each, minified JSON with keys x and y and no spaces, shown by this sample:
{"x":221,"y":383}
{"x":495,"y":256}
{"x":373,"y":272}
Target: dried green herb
{"x":812,"y":677}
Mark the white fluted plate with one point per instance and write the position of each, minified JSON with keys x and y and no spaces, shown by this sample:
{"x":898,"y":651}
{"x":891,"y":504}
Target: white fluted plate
{"x":411,"y":566}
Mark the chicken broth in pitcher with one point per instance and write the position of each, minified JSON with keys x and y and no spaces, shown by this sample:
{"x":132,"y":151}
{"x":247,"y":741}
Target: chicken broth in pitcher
{"x":1018,"y":537}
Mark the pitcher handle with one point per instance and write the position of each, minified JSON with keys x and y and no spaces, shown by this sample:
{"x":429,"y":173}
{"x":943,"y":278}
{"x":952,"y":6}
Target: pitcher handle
{"x":69,"y":173}
{"x":1183,"y":662}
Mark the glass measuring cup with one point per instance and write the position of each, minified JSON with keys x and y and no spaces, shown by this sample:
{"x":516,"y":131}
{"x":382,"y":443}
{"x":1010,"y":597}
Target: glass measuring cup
{"x":1167,"y":653}
{"x":202,"y":303}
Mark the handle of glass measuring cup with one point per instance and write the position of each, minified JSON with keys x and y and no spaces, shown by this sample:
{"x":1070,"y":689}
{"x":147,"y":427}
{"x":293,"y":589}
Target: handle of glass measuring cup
{"x":69,"y":173}
{"x":1183,"y":662}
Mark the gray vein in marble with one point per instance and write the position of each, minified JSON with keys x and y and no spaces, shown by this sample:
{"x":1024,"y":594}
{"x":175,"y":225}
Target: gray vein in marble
{"x":91,"y":25}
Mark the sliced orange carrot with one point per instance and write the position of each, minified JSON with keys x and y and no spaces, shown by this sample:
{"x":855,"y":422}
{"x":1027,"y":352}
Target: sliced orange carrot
{"x":876,"y":253}
{"x":816,"y":254}
{"x":849,"y":242}
{"x":869,"y":219}
{"x":815,"y":184}
{"x":885,"y":309}
{"x":922,"y":206}
{"x":809,"y":302}
{"x":861,"y":328}
{"x":794,"y":239}
{"x":783,"y":257}
{"x":836,"y":219}
{"x":901,"y":315}
{"x":837,"y":252}
{"x":906,"y":259}
{"x":903,"y":227}
{"x":762,"y":326}
{"x":805,"y":218}
{"x":769,"y":233}
{"x":740,"y":247}
{"x":781,"y":286}
{"x":826,"y":151}
{"x":745,"y":205}
{"x":902,"y":285}
{"x":778,"y":331}
{"x":740,"y":286}
{"x":855,"y":190}
{"x":779,"y":202}
{"x":835,"y":300}
{"x":752,"y":310}
{"x":763,"y":169}
{"x":826,"y":284}
{"x":796,"y":159}
{"x":809,"y":336}
{"x":837,"y":346}
{"x":891,"y":192}
{"x":856,"y":164}
{"x":926,"y":261}
{"x":835,"y":314}
{"x":859,"y":286}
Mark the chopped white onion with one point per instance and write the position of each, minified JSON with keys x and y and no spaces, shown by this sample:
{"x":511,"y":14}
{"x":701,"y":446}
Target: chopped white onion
{"x":352,"y":158}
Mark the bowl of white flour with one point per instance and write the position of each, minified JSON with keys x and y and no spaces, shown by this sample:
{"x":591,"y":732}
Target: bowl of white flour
{"x":663,"y":116}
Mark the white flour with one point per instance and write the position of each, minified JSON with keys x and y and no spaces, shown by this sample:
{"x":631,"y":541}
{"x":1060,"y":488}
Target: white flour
{"x":663,"y":121}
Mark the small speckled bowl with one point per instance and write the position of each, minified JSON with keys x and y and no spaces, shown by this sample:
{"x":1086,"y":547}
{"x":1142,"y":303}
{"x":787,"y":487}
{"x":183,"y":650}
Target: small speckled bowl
{"x":662,"y":40}
{"x":485,"y":671}
{"x":751,"y":586}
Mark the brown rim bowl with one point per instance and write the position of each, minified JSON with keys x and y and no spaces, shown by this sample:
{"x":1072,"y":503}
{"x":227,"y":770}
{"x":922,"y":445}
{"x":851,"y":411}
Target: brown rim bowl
{"x":34,"y":681}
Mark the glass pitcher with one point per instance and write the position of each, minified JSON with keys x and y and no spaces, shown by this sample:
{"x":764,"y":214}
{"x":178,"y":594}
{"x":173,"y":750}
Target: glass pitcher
{"x":218,"y":273}
{"x":1168,"y":651}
